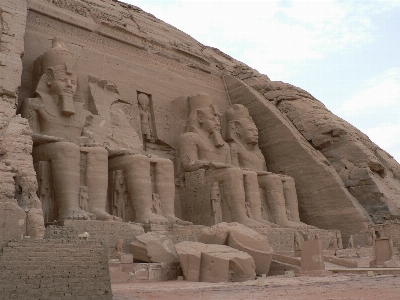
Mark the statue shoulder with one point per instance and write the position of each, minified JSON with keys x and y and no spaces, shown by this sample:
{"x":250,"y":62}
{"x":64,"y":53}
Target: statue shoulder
{"x":29,"y":105}
{"x":33,"y":102}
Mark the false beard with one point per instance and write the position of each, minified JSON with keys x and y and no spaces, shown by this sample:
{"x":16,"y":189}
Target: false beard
{"x":67,"y":105}
{"x":217,"y":138}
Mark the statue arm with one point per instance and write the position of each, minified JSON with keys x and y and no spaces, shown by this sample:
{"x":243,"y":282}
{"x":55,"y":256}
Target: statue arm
{"x":188,"y":154}
{"x":31,"y":109}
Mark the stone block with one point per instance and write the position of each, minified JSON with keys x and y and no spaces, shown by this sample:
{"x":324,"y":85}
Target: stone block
{"x":154,"y":247}
{"x":214,"y":263}
{"x":13,"y":219}
{"x":141,"y":271}
{"x":125,"y":258}
{"x":242,"y":238}
{"x":312,"y":258}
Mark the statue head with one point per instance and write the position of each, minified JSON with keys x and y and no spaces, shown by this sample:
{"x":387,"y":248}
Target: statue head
{"x":241,"y":125}
{"x":203,"y":114}
{"x":144,"y":101}
{"x":57,"y":65}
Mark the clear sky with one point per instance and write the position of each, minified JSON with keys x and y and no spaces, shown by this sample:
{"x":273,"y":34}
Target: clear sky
{"x":345,"y":53}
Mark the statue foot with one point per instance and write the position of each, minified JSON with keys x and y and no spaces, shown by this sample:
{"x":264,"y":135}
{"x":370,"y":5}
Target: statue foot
{"x":253,"y":223}
{"x":77,"y":214}
{"x":104,"y":216}
{"x":272,"y":225}
{"x":178,"y":221}
{"x":153,"y":218}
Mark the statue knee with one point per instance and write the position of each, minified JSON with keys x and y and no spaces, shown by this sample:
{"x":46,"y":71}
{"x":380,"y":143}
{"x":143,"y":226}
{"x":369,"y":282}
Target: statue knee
{"x":97,"y":153}
{"x":250,"y":175}
{"x":235,"y":173}
{"x":65,"y":150}
{"x":164,"y":165}
{"x":137,"y":161}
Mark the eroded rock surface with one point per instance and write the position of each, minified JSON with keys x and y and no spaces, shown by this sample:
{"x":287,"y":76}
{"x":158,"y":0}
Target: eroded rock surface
{"x":242,"y":238}
{"x":214,"y":263}
{"x":153,"y":247}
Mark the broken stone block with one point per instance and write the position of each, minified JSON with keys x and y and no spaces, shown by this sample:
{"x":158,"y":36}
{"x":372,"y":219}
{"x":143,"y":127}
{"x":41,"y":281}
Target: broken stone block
{"x":125,"y":258}
{"x":153,"y":247}
{"x":242,"y":238}
{"x":214,"y":263}
{"x":312,"y":259}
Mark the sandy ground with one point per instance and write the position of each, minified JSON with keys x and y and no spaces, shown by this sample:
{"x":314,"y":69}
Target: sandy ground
{"x":362,"y":287}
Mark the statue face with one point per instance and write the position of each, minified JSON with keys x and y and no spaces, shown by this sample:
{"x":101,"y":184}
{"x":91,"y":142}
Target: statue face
{"x":144,"y":107}
{"x":248,"y":132}
{"x":209,"y":120}
{"x":63,"y":83}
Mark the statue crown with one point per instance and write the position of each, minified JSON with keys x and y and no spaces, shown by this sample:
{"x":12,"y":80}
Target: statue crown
{"x":58,"y":55}
{"x":237,"y":112}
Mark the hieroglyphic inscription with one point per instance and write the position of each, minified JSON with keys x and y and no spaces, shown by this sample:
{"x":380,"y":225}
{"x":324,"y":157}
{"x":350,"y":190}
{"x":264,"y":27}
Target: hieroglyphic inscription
{"x":105,"y":42}
{"x":117,"y":26}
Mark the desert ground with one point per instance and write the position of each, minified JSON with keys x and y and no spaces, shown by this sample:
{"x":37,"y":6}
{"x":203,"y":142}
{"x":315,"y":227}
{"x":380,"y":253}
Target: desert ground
{"x":334,"y":287}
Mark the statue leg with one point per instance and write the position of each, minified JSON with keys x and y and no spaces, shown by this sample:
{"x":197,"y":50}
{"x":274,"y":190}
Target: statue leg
{"x":65,"y":168}
{"x":289,"y":190}
{"x":137,"y":172}
{"x":165,"y":188}
{"x":273,"y":186}
{"x":96,"y":179}
{"x":253,"y":197}
{"x":234,"y":195}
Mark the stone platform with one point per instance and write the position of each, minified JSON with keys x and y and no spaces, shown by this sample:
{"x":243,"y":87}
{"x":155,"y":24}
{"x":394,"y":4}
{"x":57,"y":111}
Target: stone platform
{"x":281,"y":239}
{"x":107,"y":232}
{"x":288,"y":240}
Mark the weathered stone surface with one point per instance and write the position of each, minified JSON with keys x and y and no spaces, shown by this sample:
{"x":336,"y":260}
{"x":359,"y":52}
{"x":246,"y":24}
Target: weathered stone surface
{"x":54,"y":269}
{"x":242,"y":238}
{"x":109,"y":232}
{"x":214,"y":263}
{"x":18,"y":179}
{"x":12,"y":220}
{"x":312,"y":258}
{"x":341,"y":176}
{"x":153,"y":247}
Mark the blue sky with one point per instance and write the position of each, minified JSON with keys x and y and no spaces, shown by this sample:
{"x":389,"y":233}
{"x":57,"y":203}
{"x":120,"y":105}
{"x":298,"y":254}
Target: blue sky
{"x":345,"y":53}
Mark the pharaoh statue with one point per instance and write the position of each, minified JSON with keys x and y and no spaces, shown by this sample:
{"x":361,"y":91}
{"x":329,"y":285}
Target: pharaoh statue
{"x":57,"y":122}
{"x":202,"y":147}
{"x":280,"y":190}
{"x":63,"y":132}
{"x":111,"y":129}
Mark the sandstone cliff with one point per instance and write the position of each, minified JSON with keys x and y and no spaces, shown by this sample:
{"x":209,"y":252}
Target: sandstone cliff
{"x":342,"y":178}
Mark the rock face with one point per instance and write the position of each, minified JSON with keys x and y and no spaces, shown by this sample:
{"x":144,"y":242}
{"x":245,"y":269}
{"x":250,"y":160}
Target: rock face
{"x":153,"y":247}
{"x":214,"y":263}
{"x":241,"y":238}
{"x":18,"y":179}
{"x":342,"y":178}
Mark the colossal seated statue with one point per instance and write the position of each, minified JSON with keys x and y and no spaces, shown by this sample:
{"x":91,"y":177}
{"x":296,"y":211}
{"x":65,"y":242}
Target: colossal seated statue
{"x":57,"y":122}
{"x":280,"y":190}
{"x":202,"y":147}
{"x":72,"y":139}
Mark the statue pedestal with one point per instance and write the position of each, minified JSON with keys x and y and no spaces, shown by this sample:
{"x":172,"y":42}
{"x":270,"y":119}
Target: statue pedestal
{"x":177,"y":233}
{"x":284,"y":240}
{"x":108,"y":232}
